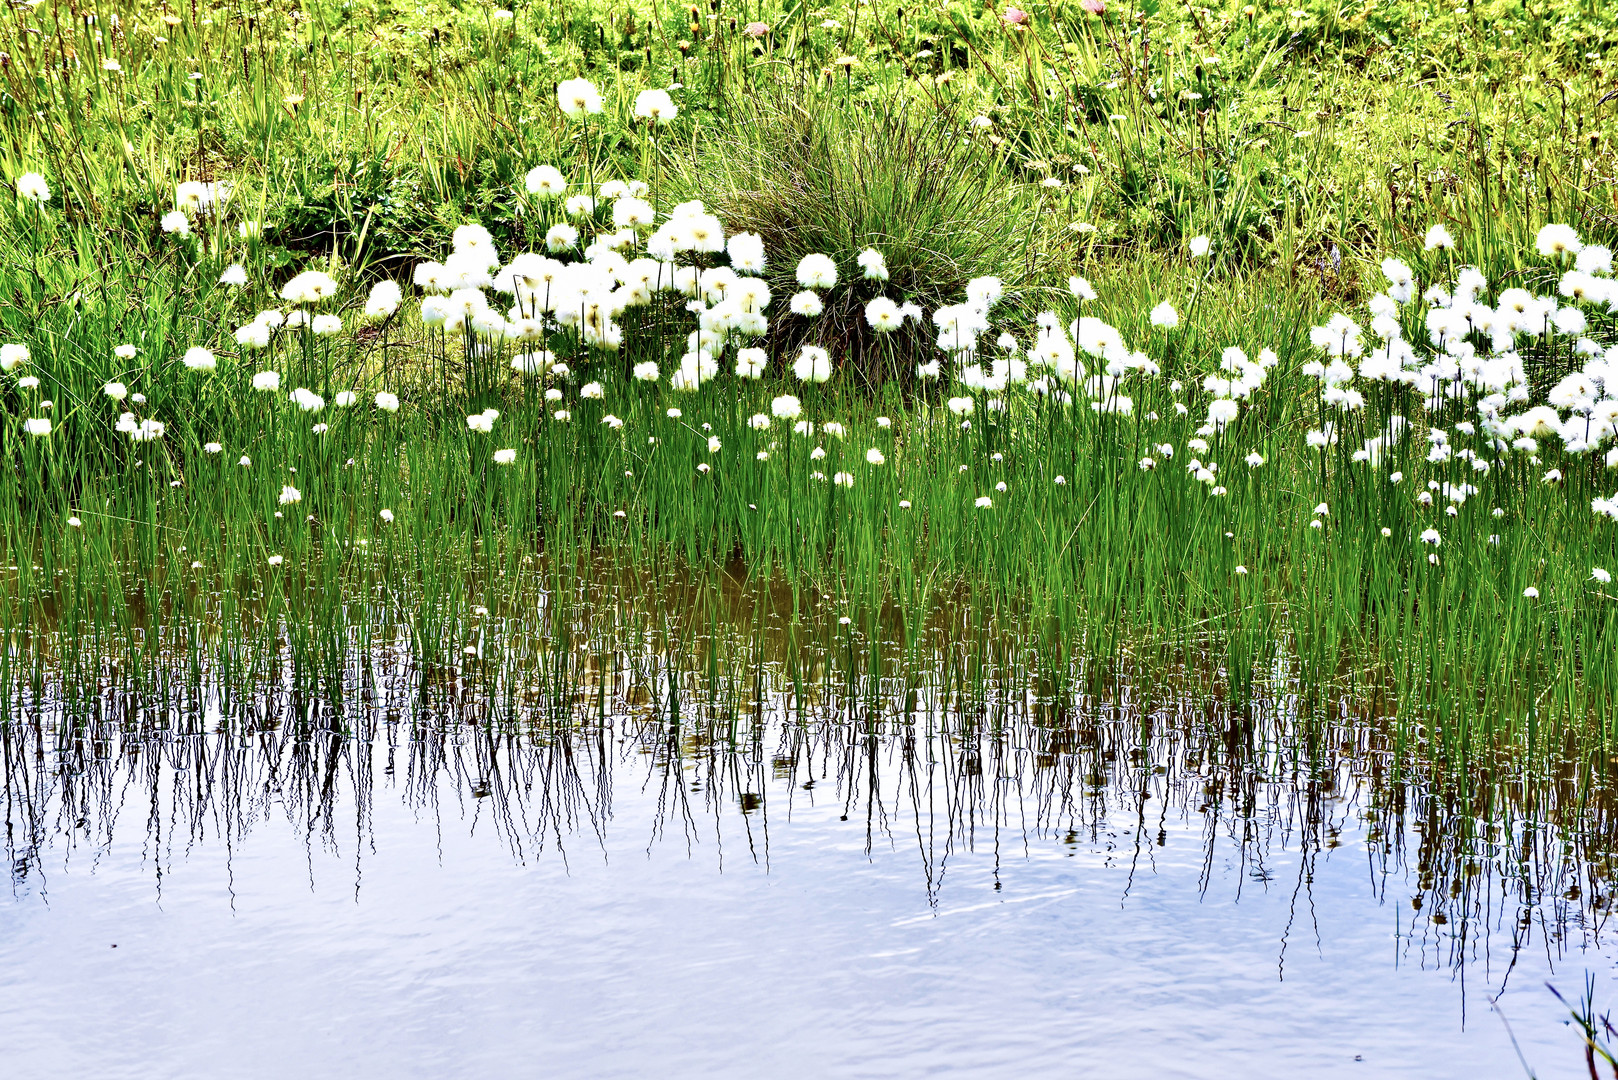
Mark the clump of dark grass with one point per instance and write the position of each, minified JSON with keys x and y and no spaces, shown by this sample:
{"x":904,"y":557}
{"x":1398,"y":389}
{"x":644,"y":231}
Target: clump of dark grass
{"x":905,"y":179}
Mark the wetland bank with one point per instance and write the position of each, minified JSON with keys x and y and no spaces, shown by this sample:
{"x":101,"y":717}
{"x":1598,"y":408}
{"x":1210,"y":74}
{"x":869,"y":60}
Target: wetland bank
{"x":895,"y":539}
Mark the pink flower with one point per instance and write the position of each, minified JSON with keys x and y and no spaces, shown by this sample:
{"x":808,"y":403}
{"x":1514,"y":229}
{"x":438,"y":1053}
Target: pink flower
{"x":1094,"y":7}
{"x":1015,"y":16}
{"x":756,"y":29}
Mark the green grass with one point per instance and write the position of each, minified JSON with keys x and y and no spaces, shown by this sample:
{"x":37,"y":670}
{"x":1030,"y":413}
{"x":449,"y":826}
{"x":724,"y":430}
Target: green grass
{"x":361,"y":138}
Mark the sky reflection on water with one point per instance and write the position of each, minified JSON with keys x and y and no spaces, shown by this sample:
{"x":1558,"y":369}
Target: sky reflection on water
{"x":940,"y":898}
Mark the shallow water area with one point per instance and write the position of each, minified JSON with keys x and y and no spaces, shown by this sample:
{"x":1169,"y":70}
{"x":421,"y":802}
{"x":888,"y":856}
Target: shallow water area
{"x":796,"y":893}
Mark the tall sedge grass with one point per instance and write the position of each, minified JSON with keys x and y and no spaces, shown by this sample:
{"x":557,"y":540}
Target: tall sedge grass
{"x":1068,"y":513}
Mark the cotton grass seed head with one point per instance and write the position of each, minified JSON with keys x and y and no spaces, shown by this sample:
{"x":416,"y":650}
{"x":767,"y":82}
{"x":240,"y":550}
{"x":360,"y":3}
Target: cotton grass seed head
{"x":309,"y":287}
{"x":656,"y":106}
{"x":817,"y":272}
{"x":578,"y":97}
{"x":198,"y":358}
{"x":32,"y":187}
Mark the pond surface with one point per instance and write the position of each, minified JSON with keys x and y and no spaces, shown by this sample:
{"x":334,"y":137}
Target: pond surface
{"x":432,"y":890}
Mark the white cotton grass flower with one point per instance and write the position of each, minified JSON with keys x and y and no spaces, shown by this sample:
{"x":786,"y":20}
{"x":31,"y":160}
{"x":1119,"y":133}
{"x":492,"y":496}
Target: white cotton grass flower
{"x":198,"y":358}
{"x":1438,"y":239}
{"x":309,"y":287}
{"x":267,"y":381}
{"x":812,"y":365}
{"x":1557,"y":241}
{"x":344,"y":399}
{"x":578,"y":97}
{"x":1530,"y":593}
{"x":843,"y":479}
{"x":883,"y":315}
{"x":561,"y":237}
{"x":12,"y":356}
{"x":786,"y":407}
{"x":1598,"y":574}
{"x":1199,"y":246}
{"x":383,"y":300}
{"x":125,"y":352}
{"x":307,"y":399}
{"x":546,"y":181}
{"x":117,"y":391}
{"x":750,"y":363}
{"x":276,"y":560}
{"x":746,"y":251}
{"x":807,"y":304}
{"x":817,"y":272}
{"x":872,"y":262}
{"x":176,"y":223}
{"x":1080,"y":288}
{"x":1594,"y":259}
{"x":506,"y":456}
{"x":875,"y":456}
{"x":212,"y":448}
{"x":325,"y":325}
{"x":37,"y":426}
{"x":1164,"y":316}
{"x":656,"y":106}
{"x":290,"y":495}
{"x":984,"y":502}
{"x":388,"y":403}
{"x":235,"y":274}
{"x":33,"y":187}
{"x":386,"y":515}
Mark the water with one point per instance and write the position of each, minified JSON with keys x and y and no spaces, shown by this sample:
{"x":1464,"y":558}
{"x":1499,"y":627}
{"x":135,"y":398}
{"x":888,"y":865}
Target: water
{"x":432,"y":886}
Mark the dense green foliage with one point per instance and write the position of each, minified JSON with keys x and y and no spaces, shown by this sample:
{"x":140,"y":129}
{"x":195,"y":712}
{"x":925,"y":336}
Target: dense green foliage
{"x":1304,"y":144}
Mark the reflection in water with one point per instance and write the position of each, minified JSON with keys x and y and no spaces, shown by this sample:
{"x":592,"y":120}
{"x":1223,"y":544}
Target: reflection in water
{"x":962,"y":777}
